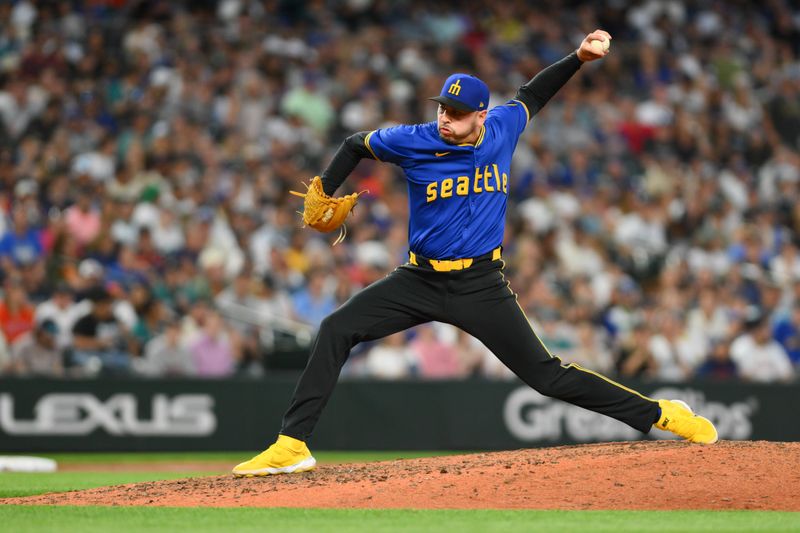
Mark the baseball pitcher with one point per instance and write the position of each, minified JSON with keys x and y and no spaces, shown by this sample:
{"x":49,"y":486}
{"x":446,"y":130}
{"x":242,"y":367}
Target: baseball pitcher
{"x":458,"y":172}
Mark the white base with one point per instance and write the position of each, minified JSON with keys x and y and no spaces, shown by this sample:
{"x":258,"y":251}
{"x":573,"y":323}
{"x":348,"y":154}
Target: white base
{"x":18,"y":463}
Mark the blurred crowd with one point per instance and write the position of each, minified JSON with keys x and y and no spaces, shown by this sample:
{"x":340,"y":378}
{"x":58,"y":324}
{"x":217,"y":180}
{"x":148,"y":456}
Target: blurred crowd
{"x":147,"y":150}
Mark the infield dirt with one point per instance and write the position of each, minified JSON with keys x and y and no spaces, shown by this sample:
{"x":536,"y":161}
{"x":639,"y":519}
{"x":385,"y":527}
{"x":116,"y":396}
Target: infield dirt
{"x":631,"y":475}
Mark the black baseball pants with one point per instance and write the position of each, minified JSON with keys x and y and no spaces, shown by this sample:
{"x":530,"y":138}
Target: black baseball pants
{"x":477,"y":300}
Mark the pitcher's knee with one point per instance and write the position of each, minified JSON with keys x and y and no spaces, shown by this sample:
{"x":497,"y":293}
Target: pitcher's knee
{"x":546,"y":378}
{"x":335,"y":325}
{"x":330,"y":325}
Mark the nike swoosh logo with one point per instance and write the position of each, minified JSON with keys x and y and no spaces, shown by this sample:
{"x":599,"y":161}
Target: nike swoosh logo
{"x":440,"y":154}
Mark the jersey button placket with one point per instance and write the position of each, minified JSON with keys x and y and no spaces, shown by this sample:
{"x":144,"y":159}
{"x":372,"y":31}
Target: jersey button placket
{"x":466,"y":231}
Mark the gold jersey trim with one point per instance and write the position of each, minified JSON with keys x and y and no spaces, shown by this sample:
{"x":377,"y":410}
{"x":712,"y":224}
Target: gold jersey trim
{"x":527,"y":113}
{"x":366,"y":142}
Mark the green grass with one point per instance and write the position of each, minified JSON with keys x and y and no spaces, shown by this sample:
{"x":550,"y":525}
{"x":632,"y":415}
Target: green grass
{"x":13,"y":484}
{"x":22,"y":484}
{"x":230,"y":457}
{"x":201,"y":520}
{"x":103,"y":519}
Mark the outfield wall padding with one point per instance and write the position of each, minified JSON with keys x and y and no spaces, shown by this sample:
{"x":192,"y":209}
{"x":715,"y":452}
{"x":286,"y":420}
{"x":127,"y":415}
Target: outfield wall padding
{"x":39,"y":415}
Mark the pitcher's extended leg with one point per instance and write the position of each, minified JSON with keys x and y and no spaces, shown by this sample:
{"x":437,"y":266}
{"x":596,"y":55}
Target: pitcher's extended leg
{"x":401,"y":300}
{"x":503,"y":327}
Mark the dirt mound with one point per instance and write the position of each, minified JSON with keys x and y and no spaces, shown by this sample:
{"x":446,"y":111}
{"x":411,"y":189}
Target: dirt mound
{"x":638,"y":475}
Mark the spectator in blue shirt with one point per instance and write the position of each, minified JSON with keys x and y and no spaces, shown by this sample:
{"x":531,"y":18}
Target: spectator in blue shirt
{"x":313,"y":302}
{"x":718,"y":366}
{"x":20,"y":246}
{"x":787,"y":333}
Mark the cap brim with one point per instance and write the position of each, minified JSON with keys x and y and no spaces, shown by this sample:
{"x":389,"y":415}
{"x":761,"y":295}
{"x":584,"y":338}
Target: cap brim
{"x":444,"y":100}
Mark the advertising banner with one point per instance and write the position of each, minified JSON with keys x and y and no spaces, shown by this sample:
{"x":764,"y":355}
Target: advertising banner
{"x":48,"y":415}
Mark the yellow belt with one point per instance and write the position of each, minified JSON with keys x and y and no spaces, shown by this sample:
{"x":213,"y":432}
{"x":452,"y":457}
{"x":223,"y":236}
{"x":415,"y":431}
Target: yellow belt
{"x":447,"y":265}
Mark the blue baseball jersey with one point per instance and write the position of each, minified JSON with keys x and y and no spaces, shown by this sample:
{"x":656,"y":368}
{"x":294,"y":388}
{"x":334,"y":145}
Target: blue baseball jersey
{"x":457,"y":194}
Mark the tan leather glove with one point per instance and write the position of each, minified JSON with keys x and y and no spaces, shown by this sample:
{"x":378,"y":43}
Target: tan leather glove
{"x":326,"y":213}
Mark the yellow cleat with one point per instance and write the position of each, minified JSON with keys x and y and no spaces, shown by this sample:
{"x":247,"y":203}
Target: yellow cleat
{"x":678,"y":417}
{"x":286,"y":456}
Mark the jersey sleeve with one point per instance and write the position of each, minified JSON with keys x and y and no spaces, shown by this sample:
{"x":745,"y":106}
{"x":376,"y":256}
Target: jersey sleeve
{"x":510,"y":118}
{"x":392,"y":145}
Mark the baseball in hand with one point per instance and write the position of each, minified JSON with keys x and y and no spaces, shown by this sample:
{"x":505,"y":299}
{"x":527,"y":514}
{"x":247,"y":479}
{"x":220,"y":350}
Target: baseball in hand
{"x":599,"y":46}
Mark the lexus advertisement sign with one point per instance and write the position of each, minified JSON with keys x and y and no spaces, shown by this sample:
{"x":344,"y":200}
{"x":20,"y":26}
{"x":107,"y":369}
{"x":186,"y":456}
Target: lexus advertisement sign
{"x":119,"y":415}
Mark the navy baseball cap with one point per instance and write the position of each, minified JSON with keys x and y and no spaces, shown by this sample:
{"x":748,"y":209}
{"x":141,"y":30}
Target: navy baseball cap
{"x":464,"y":92}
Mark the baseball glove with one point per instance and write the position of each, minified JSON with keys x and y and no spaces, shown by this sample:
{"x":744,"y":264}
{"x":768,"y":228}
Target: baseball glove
{"x":326,"y":213}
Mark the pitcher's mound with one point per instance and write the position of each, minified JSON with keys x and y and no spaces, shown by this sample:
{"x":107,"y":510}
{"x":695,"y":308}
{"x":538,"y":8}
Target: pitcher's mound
{"x":636,"y":475}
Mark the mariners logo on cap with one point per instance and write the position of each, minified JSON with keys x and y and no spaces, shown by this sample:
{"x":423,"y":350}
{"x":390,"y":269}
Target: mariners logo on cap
{"x":464,"y":92}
